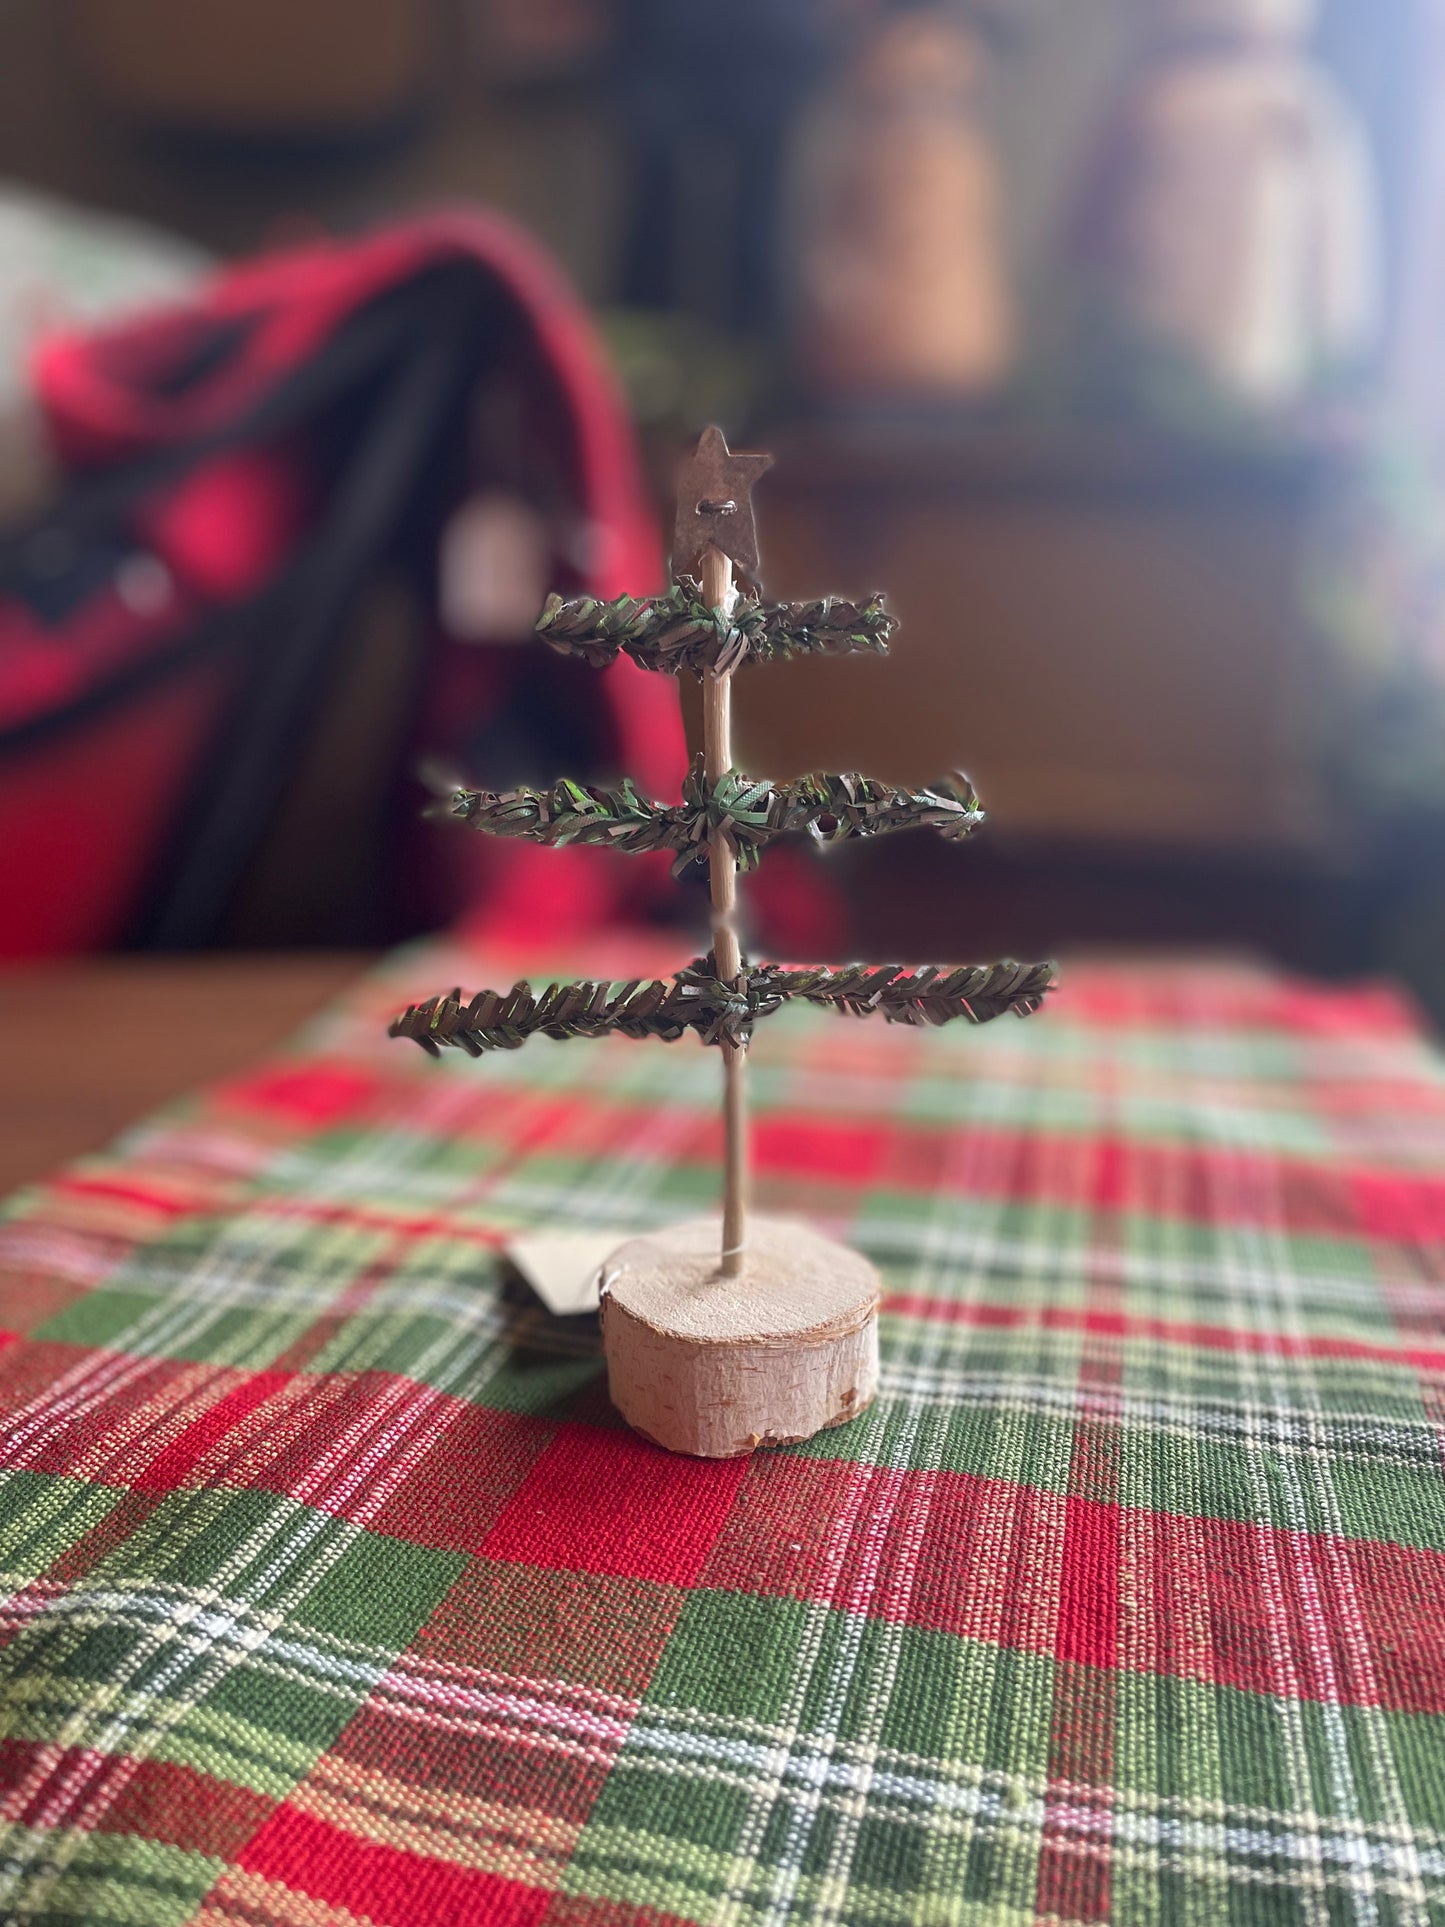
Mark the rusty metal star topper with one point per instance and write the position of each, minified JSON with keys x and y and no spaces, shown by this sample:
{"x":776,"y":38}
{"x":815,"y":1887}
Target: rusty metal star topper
{"x":715,"y":505}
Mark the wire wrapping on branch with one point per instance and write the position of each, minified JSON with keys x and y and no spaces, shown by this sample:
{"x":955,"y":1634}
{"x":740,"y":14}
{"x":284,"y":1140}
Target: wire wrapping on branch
{"x":750,"y":811}
{"x":680,"y":630}
{"x":695,"y":1000}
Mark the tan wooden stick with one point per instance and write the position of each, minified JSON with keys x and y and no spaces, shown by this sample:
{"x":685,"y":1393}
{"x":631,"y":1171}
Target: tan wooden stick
{"x":717,"y":700}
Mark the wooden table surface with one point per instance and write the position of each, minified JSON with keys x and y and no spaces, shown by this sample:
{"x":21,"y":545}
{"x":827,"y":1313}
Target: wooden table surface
{"x":86,"y":1047}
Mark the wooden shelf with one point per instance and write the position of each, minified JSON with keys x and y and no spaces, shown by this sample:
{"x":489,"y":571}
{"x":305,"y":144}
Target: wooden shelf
{"x":964,"y":452}
{"x":1108,"y":631}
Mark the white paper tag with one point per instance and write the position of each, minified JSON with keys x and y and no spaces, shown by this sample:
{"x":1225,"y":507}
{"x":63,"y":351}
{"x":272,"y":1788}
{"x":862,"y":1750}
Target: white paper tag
{"x":562,"y":1267}
{"x":494,"y":569}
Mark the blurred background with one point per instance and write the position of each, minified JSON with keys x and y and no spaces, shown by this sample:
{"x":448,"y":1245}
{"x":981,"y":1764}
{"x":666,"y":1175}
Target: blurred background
{"x":1105,"y":339}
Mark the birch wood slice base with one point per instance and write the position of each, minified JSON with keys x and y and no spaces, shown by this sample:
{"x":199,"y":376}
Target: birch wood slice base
{"x":717,"y":1366}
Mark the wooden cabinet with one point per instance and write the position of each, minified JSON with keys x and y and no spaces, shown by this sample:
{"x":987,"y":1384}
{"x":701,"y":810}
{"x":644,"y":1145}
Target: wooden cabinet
{"x":1109,"y":636}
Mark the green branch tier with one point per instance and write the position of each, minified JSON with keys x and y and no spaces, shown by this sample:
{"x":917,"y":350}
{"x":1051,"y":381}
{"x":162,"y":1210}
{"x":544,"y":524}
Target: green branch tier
{"x":721,"y":1340}
{"x":667,"y":1008}
{"x":680,"y":630}
{"x":749,"y":811}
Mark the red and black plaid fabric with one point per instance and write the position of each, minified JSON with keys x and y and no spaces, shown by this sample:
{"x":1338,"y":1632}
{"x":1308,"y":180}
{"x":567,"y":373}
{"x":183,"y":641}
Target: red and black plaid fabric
{"x":242,"y":466}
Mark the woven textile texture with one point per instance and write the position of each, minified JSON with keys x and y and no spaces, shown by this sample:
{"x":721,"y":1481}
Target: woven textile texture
{"x":333,"y":1592}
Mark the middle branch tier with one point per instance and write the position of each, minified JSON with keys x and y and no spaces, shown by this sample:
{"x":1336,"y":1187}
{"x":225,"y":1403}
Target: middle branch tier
{"x":750,"y":812}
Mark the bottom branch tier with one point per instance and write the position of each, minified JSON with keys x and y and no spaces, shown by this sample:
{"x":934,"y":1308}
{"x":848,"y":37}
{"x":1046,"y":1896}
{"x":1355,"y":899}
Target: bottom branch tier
{"x":717,"y":1366}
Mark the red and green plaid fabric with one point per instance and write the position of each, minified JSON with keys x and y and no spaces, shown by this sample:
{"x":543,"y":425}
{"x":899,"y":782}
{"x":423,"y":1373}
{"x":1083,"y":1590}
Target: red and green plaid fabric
{"x":334,"y":1592}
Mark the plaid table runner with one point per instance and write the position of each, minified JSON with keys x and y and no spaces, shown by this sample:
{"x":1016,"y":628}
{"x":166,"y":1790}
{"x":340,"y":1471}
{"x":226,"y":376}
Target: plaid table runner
{"x":333,"y":1592}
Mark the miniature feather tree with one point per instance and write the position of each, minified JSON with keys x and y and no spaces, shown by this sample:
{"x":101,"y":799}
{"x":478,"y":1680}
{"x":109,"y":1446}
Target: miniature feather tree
{"x":698,"y":1382}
